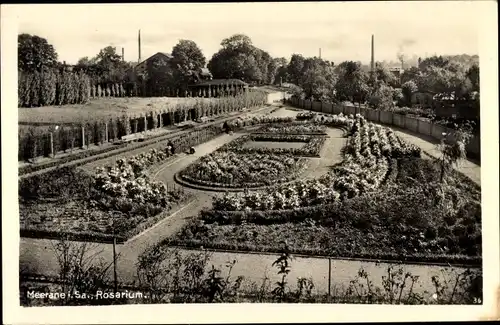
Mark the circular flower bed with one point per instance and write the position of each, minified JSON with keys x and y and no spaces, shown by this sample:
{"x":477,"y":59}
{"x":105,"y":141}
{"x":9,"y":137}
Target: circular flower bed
{"x":228,"y":169}
{"x":312,"y":144}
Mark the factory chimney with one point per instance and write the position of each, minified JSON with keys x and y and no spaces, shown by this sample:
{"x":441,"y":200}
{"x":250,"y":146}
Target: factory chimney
{"x":123,"y":54}
{"x":373,"y":55}
{"x":320,"y":52}
{"x":139,"y":46}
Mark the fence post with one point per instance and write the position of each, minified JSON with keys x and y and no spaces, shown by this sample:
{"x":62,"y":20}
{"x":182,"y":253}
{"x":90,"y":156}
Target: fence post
{"x":51,"y":138}
{"x":106,"y":136}
{"x":83,"y":137}
{"x":136,"y":123}
{"x":329,"y":277}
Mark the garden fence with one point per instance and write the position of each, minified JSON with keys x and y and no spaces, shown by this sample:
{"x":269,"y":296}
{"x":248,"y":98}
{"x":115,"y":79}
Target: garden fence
{"x":415,"y":125}
{"x":35,"y":143}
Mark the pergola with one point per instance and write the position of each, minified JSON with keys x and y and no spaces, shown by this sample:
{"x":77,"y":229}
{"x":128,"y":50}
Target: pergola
{"x":217,"y":88}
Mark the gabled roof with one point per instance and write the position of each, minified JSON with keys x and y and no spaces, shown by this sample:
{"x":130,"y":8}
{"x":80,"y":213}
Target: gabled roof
{"x":165,"y":54}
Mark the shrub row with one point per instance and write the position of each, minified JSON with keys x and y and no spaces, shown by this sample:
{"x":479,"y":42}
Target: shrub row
{"x":85,"y":236}
{"x":37,"y":143}
{"x":51,"y":88}
{"x":182,"y":142}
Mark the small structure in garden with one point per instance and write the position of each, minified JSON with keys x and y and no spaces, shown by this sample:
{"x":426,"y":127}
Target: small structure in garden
{"x":217,"y":88}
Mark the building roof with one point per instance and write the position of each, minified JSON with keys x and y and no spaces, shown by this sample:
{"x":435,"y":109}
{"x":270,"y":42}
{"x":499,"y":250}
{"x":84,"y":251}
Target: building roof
{"x":167,"y":55}
{"x":216,"y":82}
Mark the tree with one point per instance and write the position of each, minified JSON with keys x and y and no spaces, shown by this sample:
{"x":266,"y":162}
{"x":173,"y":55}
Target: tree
{"x":411,"y":74}
{"x":34,"y":53}
{"x":352,"y":82}
{"x":317,"y":79}
{"x":107,"y":67}
{"x":384,"y":75}
{"x":382,"y":98}
{"x":281,"y":70}
{"x":436,"y":61}
{"x":187,"y":62}
{"x":408,"y":88}
{"x":239,"y":59}
{"x":454,"y":150}
{"x":295,"y":68}
{"x":473,"y":76}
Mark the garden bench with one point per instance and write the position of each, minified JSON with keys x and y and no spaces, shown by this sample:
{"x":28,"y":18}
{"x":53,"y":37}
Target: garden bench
{"x":203,"y":119}
{"x":132,"y":137}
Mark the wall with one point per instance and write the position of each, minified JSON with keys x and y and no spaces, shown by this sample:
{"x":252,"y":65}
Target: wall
{"x":415,"y":125}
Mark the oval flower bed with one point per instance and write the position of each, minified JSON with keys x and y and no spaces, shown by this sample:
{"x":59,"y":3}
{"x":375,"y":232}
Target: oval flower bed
{"x":312,"y":144}
{"x":294,"y":128}
{"x":229,"y":169}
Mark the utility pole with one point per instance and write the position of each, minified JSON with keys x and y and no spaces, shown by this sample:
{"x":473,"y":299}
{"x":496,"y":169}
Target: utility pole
{"x":115,"y":278}
{"x":329,"y":277}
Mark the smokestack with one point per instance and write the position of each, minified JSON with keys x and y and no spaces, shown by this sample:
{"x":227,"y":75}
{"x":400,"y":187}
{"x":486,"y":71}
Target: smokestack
{"x":373,"y":54}
{"x":139,"y":46}
{"x":123,"y":54}
{"x":320,"y":52}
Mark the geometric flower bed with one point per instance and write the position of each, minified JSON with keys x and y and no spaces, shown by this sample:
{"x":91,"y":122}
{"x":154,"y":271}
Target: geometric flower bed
{"x":410,"y":220}
{"x":312,"y":144}
{"x":119,"y":199}
{"x":237,"y":170}
{"x":293,"y":128}
{"x":364,"y":168}
{"x":383,"y":201}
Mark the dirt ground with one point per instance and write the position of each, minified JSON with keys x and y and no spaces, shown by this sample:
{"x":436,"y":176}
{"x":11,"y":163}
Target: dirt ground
{"x":101,"y":108}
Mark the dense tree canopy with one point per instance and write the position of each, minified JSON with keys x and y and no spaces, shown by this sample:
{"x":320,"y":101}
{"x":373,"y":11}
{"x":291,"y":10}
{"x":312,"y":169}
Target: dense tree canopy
{"x":352,"y":83}
{"x":187,"y":62}
{"x":106,"y":67}
{"x":34,"y":53}
{"x":240,"y":59}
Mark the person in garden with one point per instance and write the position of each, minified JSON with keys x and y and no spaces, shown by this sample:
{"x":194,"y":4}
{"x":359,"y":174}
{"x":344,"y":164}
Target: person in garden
{"x":225,"y":127}
{"x":170,"y":148}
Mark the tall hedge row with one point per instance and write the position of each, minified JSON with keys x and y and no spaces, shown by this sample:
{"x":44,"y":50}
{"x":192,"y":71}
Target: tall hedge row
{"x":35,"y":143}
{"x":52,"y":88}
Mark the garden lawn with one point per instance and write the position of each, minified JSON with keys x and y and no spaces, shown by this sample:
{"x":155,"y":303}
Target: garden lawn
{"x":101,"y":108}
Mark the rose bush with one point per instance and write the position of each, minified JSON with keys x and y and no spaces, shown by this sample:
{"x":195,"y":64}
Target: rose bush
{"x":229,"y":169}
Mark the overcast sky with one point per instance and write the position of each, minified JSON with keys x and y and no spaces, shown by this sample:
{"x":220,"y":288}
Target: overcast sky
{"x":342,"y":30}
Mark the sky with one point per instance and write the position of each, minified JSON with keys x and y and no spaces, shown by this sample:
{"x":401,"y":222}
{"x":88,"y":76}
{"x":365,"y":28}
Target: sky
{"x":341,"y":29}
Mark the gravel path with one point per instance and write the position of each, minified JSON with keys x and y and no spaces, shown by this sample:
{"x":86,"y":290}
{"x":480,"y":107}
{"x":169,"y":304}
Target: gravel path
{"x":467,"y":167}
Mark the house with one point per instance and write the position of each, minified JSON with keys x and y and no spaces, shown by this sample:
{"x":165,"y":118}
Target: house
{"x":450,"y":105}
{"x":397,"y":72}
{"x":141,"y":67}
{"x":423,"y":98}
